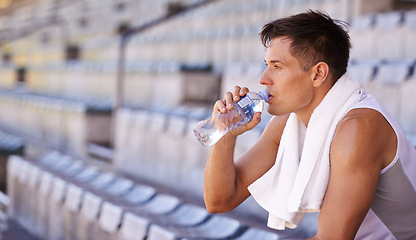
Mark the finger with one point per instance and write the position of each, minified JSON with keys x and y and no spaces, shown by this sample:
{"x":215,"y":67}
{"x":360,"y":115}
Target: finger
{"x":250,"y":125}
{"x":243,"y":91}
{"x":254,"y":122}
{"x":228,"y":98}
{"x":236,"y":93}
{"x":219,"y":107}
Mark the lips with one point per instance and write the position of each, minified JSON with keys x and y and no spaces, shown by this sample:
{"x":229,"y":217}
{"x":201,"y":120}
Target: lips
{"x":270,"y":98}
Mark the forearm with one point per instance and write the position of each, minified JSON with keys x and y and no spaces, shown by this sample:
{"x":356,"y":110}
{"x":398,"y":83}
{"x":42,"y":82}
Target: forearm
{"x":220,"y":175}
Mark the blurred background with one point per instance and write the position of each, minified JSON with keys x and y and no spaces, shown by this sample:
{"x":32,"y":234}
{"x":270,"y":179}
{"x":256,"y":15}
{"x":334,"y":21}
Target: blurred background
{"x":120,"y":84}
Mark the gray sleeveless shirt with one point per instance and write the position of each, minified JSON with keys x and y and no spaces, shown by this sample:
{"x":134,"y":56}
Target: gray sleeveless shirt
{"x":393,"y":211}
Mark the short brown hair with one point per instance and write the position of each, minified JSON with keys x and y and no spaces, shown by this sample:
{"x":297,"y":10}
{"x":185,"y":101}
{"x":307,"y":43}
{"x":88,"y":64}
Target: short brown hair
{"x":316,"y":37}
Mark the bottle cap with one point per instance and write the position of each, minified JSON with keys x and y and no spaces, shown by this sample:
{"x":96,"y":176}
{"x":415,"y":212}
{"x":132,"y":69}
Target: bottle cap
{"x":264,"y":95}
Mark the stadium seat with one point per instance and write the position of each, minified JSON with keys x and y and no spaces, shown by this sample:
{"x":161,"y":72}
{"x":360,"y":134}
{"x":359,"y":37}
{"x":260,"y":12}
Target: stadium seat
{"x":389,"y":32}
{"x":71,"y":210}
{"x":73,"y":198}
{"x":14,"y":191}
{"x":407,"y":116}
{"x":138,"y":195}
{"x":171,"y":160}
{"x":363,"y":71}
{"x":119,"y":187}
{"x":43,"y":198}
{"x":157,"y":130}
{"x":90,"y":211}
{"x":132,"y":227}
{"x":103,"y":180}
{"x":132,"y":156}
{"x":195,"y":155}
{"x":253,"y":233}
{"x":394,"y":73}
{"x":387,"y":85}
{"x":217,"y":227}
{"x":160,"y":204}
{"x":55,"y":214}
{"x":109,"y":221}
{"x":21,"y":209}
{"x":159,"y":233}
{"x":123,"y":124}
{"x":186,"y":215}
{"x":362,"y":35}
{"x":410,"y":35}
{"x":247,"y":140}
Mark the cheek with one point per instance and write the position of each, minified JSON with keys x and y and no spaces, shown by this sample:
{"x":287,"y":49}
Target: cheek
{"x":303,"y":94}
{"x":292,"y":98}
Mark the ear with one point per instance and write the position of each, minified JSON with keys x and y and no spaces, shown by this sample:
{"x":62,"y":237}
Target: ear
{"x":321,"y":72}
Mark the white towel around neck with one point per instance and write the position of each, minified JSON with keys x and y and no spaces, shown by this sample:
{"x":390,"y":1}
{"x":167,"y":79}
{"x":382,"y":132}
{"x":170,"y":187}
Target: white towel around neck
{"x":297,"y":182}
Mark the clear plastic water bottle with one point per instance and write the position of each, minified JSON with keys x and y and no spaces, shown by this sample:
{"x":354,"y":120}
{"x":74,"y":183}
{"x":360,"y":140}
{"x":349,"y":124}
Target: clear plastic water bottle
{"x":209,"y":131}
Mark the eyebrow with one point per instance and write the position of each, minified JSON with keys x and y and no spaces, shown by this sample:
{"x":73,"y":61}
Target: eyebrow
{"x":274,"y":61}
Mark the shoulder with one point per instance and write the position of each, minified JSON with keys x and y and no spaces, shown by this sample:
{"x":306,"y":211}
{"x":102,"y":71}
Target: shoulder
{"x":365,"y":135}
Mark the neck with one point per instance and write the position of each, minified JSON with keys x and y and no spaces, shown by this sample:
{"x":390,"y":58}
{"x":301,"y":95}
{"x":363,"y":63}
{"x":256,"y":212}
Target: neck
{"x":305,"y":114}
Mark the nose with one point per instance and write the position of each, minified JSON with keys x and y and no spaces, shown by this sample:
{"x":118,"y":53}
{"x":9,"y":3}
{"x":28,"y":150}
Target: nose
{"x":265,"y":79}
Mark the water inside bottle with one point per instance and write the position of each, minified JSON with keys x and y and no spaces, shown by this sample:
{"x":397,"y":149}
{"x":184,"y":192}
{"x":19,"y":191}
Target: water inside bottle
{"x":209,"y":131}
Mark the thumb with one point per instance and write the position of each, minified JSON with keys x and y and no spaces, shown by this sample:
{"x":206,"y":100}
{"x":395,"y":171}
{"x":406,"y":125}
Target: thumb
{"x":254,"y":122}
{"x":248,"y":126}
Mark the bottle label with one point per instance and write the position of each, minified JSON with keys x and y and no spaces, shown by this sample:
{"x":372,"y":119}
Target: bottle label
{"x":244,"y":102}
{"x":246,"y":105}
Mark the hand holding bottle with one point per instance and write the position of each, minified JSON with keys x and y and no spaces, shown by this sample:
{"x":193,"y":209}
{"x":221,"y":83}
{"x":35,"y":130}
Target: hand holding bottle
{"x":235,"y":113}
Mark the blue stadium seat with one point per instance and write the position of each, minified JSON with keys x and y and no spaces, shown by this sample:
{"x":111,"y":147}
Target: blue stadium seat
{"x":186,"y":215}
{"x":253,"y":233}
{"x":217,"y":227}
{"x":160,"y":204}
{"x":138,"y":195}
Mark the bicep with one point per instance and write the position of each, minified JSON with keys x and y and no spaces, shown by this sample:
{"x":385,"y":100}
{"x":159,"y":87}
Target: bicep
{"x":347,"y":200}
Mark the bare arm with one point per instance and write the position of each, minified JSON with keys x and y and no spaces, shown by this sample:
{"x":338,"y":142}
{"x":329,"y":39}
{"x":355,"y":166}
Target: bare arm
{"x":363,"y":144}
{"x":226,"y":180}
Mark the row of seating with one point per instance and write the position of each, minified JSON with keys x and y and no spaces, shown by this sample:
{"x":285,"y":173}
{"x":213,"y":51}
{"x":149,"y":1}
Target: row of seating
{"x":384,"y":36}
{"x":60,"y":123}
{"x":56,"y":197}
{"x":146,"y":81}
{"x":161,"y":147}
{"x":393,"y":84}
{"x":9,"y":145}
{"x":158,"y":144}
{"x":370,"y":34}
{"x":137,"y":12}
{"x":222,"y":19}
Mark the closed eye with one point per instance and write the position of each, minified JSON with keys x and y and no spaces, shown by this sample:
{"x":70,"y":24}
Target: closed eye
{"x":276,"y":64}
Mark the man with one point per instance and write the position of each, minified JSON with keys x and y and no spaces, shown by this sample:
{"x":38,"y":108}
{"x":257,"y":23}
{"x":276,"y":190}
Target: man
{"x":330,"y":147}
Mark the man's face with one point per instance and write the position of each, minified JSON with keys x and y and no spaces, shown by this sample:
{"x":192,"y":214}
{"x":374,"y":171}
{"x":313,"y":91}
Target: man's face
{"x":291,"y":88}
